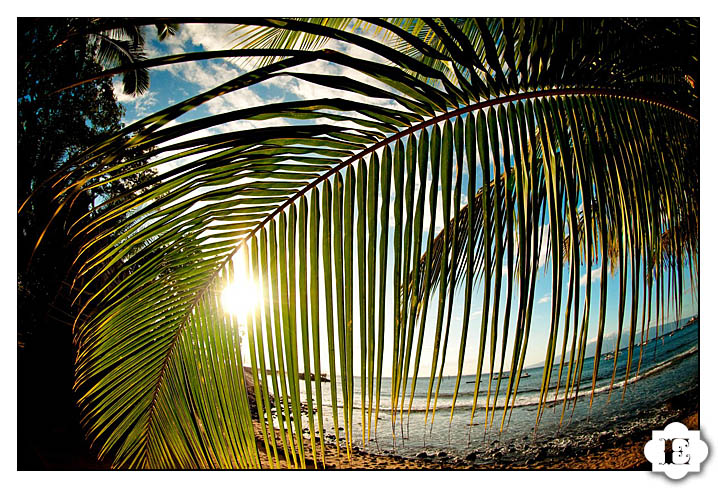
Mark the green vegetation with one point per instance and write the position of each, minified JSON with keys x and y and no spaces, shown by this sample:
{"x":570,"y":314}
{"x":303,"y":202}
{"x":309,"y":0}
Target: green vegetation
{"x":578,"y":133}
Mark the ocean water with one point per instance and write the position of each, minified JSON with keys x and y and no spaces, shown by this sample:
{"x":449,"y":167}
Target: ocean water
{"x":669,"y":367}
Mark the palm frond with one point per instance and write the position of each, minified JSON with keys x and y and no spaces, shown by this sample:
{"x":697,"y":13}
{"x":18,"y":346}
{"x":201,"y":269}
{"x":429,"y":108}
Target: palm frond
{"x":568,"y":136}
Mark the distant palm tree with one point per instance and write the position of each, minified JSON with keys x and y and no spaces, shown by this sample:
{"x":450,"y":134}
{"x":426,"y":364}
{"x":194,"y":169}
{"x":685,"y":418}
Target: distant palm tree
{"x":579,"y":134}
{"x":117,"y":43}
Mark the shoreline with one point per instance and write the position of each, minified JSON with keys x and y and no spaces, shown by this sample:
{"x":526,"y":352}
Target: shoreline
{"x":612,"y":451}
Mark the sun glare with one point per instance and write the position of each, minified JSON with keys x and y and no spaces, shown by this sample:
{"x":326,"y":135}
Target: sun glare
{"x":241,"y":296}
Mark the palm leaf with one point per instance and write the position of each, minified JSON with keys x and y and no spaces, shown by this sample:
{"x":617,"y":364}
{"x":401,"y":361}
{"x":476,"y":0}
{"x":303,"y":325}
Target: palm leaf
{"x":570,"y":135}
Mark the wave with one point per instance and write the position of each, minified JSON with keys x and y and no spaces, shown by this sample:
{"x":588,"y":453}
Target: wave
{"x":465,"y":402}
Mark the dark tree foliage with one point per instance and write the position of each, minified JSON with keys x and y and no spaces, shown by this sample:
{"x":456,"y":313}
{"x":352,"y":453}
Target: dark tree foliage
{"x":51,"y":129}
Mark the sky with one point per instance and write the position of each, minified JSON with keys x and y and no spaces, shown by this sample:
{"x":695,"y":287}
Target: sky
{"x":174,"y":83}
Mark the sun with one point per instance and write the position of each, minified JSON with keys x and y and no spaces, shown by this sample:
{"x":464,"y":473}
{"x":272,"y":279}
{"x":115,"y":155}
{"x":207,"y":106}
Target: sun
{"x":241,"y":296}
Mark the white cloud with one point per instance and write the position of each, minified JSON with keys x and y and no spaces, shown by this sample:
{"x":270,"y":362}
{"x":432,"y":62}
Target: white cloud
{"x":143,"y":105}
{"x":210,"y":37}
{"x":201,"y":76}
{"x":209,"y":74}
{"x":306,"y":90}
{"x":218,"y":36}
{"x":595,"y":275}
{"x":544,"y":299}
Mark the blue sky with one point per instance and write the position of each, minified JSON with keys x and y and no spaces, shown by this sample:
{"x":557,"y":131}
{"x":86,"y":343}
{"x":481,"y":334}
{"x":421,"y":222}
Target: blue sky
{"x":172,"y":84}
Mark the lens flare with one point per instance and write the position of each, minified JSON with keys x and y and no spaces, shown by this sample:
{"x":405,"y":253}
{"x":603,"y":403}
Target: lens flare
{"x":241,"y":296}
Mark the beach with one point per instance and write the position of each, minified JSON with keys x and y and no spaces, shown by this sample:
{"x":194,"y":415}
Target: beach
{"x":610,"y":451}
{"x":612,"y":438}
{"x":605,"y":432}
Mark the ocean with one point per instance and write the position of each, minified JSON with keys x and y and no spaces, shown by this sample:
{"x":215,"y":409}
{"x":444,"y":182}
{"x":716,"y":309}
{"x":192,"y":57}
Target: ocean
{"x":669,"y":367}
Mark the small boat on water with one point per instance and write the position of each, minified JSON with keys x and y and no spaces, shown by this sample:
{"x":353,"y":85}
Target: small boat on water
{"x":610,"y":355}
{"x":506,"y":375}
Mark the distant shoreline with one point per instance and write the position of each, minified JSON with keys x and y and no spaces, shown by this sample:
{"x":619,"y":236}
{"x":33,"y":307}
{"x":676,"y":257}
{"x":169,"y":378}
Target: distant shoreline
{"x":648,"y":339}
